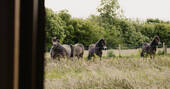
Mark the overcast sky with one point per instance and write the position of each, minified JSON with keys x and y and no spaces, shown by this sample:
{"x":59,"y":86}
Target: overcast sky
{"x":141,"y":9}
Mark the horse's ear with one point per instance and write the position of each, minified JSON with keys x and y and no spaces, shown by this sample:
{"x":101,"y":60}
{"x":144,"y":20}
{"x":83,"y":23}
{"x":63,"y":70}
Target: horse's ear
{"x":54,"y":39}
{"x":101,"y":39}
{"x":157,"y":36}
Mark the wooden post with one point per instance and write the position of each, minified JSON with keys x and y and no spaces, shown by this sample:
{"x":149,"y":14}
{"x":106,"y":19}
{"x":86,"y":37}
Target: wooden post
{"x":119,"y":50}
{"x":164,"y":49}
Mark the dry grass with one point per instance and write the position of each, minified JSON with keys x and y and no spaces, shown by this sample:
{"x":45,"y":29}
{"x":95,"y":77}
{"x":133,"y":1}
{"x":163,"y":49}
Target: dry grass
{"x":110,"y":73}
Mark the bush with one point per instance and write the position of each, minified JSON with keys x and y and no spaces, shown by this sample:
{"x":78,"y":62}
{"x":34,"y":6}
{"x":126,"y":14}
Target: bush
{"x":160,"y":52}
{"x":111,"y":54}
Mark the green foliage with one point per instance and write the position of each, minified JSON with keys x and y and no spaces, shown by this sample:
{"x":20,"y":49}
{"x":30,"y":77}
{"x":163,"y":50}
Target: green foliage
{"x":130,"y":35}
{"x":110,"y":53}
{"x":163,"y":30}
{"x":108,"y":25}
{"x":82,"y":31}
{"x":160,"y":52}
{"x":109,"y":10}
{"x":71,"y":30}
{"x":153,"y":20}
{"x":54,"y":27}
{"x":65,"y":16}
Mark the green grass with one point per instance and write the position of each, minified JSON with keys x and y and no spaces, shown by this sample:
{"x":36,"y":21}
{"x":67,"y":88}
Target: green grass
{"x":110,"y":73}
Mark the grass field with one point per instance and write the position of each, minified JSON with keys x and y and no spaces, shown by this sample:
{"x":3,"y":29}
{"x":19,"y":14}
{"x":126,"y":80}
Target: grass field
{"x":126,"y":72}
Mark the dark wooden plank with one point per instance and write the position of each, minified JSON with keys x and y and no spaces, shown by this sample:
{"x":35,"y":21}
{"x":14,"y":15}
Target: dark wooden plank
{"x":31,"y":44}
{"x":6,"y":43}
{"x":31,"y":49}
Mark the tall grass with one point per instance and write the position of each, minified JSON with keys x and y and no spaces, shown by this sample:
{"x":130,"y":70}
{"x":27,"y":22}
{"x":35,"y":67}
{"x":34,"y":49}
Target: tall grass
{"x":113,"y":73}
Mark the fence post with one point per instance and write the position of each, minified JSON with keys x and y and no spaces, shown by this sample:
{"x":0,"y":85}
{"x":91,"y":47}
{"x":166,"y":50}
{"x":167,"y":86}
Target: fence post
{"x":119,"y":50}
{"x":164,"y":49}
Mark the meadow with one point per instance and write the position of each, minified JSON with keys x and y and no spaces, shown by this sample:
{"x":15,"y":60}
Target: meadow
{"x":127,"y":71}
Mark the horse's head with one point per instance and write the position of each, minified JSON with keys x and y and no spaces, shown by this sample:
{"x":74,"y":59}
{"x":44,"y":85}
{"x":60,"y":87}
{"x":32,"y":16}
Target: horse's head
{"x":55,"y":41}
{"x":157,"y":40}
{"x":102,"y":44}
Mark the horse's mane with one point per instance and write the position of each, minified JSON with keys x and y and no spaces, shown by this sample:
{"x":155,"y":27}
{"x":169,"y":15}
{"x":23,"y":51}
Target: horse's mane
{"x":154,"y":39}
{"x":98,"y":42}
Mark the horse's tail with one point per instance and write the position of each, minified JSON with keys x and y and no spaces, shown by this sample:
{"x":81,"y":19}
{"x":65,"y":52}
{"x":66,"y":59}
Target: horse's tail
{"x":81,"y":45}
{"x":82,"y":48}
{"x":72,"y":50}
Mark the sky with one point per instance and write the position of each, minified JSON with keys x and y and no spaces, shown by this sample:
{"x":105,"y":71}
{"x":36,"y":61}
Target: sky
{"x":141,"y":9}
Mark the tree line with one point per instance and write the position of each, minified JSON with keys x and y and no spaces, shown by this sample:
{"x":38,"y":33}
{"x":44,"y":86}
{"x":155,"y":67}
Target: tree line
{"x":110,"y":24}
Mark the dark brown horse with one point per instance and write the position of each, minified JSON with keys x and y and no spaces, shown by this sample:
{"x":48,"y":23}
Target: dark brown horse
{"x":77,"y":50}
{"x":97,"y":48}
{"x":59,"y":51}
{"x":150,"y":48}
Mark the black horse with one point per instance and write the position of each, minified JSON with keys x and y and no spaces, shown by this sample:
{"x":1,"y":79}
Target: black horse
{"x":150,"y":48}
{"x":97,"y":48}
{"x":59,"y":51}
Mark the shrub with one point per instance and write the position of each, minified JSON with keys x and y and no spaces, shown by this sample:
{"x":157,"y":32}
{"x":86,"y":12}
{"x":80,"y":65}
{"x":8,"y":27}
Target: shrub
{"x":111,"y":54}
{"x":160,"y":52}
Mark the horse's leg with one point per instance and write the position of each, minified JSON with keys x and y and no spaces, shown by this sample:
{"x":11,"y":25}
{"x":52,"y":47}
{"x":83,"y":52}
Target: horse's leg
{"x":146,"y":57}
{"x":142,"y":56}
{"x":70,"y":58}
{"x":153,"y":56}
{"x":150,"y":57}
{"x":77,"y":56}
{"x":52,"y":58}
{"x":100,"y":57}
{"x":58,"y":58}
{"x":81,"y":56}
{"x":89,"y":56}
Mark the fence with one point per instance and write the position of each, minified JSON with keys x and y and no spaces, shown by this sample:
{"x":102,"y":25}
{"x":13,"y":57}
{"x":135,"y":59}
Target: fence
{"x":163,"y":48}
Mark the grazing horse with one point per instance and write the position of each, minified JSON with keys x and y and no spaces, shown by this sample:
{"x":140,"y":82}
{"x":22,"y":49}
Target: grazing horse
{"x":150,"y":48}
{"x":59,"y":51}
{"x":77,"y":50}
{"x":97,"y":48}
{"x":68,"y":49}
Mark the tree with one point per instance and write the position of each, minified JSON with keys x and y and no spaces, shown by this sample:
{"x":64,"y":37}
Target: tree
{"x":82,"y":31}
{"x":150,"y":20}
{"x":54,"y":27}
{"x":130,"y":35}
{"x":163,"y":31}
{"x":109,"y":10}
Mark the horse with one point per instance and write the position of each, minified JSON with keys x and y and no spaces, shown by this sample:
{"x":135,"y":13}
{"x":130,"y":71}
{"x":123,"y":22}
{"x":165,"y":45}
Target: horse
{"x":97,"y":48}
{"x":59,"y":51}
{"x":68,"y":49}
{"x":150,"y":48}
{"x":77,"y":50}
